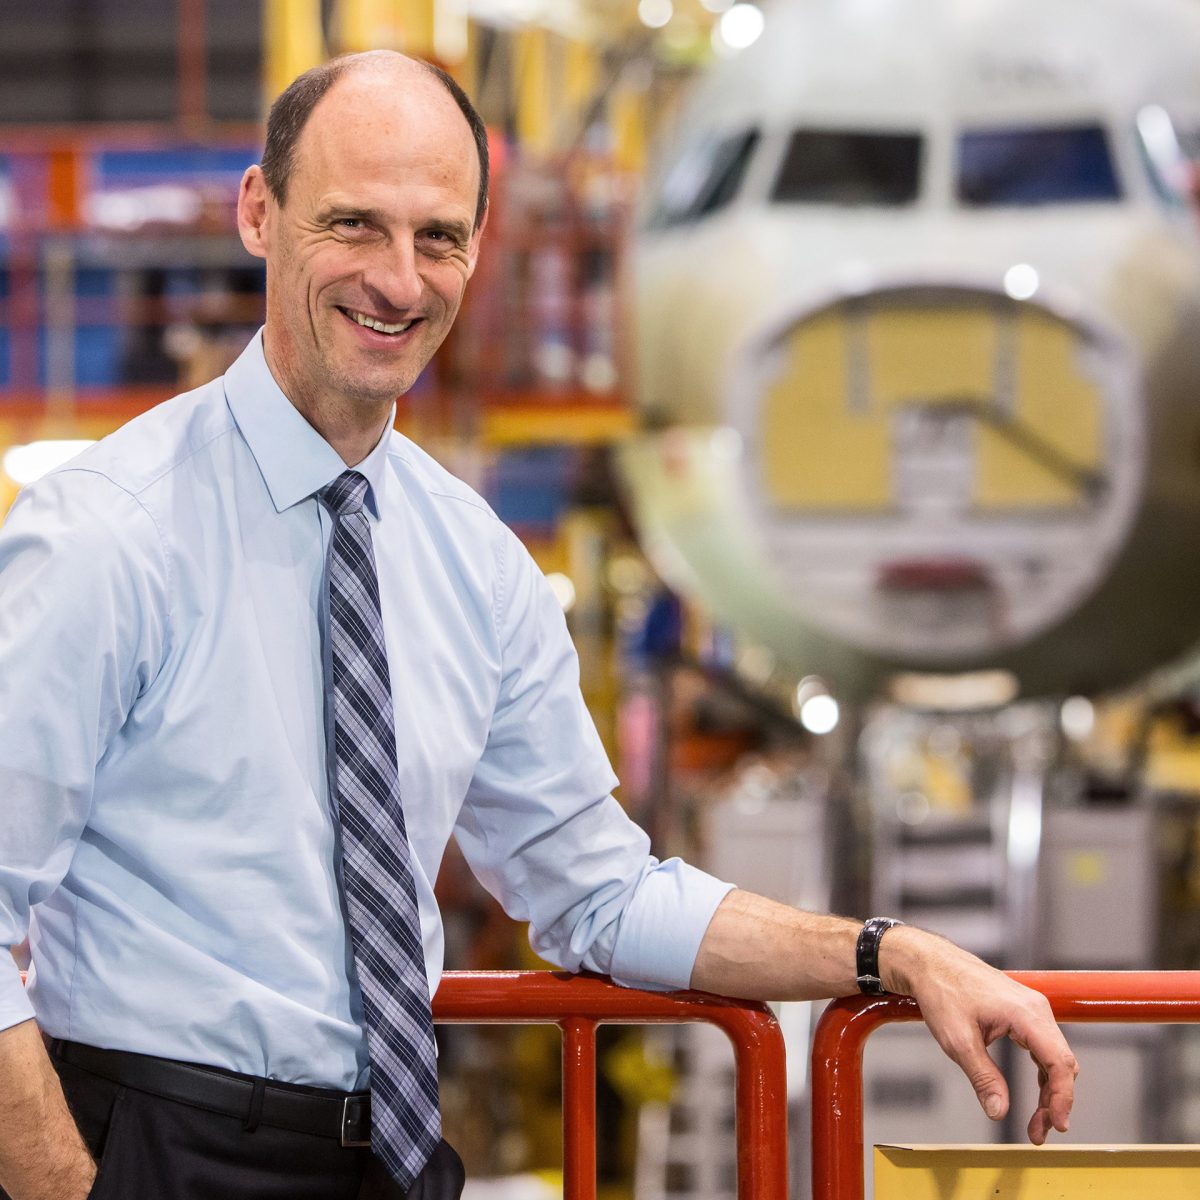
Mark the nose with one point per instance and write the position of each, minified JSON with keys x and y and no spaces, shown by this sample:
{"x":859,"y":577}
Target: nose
{"x":394,"y":278}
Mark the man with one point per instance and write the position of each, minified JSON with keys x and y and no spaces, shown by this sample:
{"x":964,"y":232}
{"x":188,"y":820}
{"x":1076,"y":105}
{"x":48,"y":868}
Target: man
{"x":201,"y":619}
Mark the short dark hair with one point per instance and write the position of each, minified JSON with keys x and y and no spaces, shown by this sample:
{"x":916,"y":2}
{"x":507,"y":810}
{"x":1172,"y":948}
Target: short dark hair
{"x":291,"y":110}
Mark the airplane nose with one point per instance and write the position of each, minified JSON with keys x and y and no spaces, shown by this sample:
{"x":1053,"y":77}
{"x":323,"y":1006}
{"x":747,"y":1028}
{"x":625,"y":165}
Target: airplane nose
{"x":927,"y":398}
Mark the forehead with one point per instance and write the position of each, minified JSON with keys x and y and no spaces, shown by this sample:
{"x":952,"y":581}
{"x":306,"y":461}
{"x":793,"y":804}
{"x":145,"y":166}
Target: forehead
{"x":386,"y":133}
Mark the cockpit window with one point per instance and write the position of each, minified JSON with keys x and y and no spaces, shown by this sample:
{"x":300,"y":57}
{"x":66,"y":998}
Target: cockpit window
{"x":1029,"y":166}
{"x":706,"y":178}
{"x":849,"y":168}
{"x":1170,"y":152}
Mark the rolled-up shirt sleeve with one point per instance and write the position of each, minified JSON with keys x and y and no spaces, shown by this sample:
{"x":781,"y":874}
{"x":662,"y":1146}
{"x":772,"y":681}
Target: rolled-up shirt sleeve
{"x":541,"y":829}
{"x":82,"y":628}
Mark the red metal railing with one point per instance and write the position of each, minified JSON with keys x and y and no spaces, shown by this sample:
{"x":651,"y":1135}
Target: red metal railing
{"x":837,"y":1089}
{"x":578,"y":1004}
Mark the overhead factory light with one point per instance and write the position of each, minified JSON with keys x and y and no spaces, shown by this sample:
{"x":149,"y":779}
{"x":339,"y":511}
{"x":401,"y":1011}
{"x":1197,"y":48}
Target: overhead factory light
{"x":739,"y":27}
{"x":23,"y":464}
{"x":1077,"y":717}
{"x":966,"y":692}
{"x":563,"y":589}
{"x":816,"y":709}
{"x":655,"y":13}
{"x":819,"y":714}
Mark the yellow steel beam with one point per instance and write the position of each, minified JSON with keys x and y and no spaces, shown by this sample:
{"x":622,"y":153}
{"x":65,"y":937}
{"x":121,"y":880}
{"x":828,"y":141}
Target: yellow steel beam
{"x":532,"y":77}
{"x":582,"y":79}
{"x":293,"y":42}
{"x":407,"y":25}
{"x":627,"y":115}
{"x":544,"y":424}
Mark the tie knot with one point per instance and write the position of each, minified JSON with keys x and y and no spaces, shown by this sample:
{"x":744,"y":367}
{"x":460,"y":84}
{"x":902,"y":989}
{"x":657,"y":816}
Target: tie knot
{"x":345,"y":495}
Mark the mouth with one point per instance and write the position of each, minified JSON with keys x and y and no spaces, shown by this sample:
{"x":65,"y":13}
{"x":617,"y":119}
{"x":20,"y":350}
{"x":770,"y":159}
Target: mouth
{"x":375,"y":325}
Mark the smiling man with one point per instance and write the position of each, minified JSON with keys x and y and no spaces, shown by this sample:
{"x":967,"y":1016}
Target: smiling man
{"x":260,"y":658}
{"x":371,"y":229}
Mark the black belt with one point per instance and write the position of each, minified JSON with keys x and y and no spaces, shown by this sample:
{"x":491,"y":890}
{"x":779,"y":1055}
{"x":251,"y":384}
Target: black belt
{"x":341,"y":1115}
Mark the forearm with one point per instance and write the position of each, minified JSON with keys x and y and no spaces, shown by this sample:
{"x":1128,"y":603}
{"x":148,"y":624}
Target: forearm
{"x":42,"y":1156}
{"x":758,"y":949}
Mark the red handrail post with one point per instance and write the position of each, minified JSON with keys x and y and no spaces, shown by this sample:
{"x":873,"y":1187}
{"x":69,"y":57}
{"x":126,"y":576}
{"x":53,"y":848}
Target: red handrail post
{"x":579,"y":1109}
{"x":577,"y":1004}
{"x":1113,"y":997}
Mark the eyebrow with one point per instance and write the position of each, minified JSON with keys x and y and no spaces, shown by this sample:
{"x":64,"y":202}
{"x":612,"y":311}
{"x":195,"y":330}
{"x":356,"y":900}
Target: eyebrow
{"x":342,"y":212}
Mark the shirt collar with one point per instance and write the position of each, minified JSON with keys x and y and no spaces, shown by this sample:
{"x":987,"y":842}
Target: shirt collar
{"x":294,"y":459}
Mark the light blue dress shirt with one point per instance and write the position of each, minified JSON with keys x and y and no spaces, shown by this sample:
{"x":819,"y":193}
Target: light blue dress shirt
{"x":167,"y":837}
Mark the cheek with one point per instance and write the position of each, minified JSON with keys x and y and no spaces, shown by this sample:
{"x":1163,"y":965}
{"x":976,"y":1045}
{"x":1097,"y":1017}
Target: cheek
{"x":323,"y":269}
{"x":449,"y":281}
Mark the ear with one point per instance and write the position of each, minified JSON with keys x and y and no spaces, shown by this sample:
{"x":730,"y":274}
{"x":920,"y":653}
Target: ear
{"x":253,"y":212}
{"x":476,"y":238}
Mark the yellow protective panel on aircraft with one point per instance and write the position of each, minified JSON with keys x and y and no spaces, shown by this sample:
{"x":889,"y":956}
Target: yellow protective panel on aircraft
{"x":817,"y":453}
{"x":1036,"y":1173}
{"x":1057,"y":407}
{"x":927,"y":355}
{"x":828,"y":418}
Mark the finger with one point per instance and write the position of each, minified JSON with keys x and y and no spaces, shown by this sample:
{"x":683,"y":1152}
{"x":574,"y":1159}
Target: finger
{"x":1039,"y":1126}
{"x":1057,"y":1070}
{"x":1058,"y":1098}
{"x":1042,"y":1077}
{"x":985,"y":1077}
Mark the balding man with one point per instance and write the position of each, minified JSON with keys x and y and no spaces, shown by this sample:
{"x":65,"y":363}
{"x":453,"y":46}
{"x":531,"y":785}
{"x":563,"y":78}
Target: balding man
{"x":260,"y":658}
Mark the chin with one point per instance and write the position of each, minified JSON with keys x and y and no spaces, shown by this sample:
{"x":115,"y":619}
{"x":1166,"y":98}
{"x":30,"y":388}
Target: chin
{"x":374,"y":393}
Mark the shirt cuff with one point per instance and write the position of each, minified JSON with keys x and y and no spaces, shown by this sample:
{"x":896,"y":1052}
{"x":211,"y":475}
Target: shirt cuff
{"x":14,"y":1003}
{"x":663,"y":927}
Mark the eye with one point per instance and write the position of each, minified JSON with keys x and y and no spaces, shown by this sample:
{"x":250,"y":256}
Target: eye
{"x":349,"y":222}
{"x":441,"y":241}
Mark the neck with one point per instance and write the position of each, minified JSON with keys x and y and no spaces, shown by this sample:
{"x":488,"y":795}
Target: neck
{"x":353,"y":428}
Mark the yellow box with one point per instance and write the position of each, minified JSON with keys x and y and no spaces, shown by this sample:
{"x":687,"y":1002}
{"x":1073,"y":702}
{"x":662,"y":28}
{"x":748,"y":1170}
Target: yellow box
{"x":1037,"y":1173}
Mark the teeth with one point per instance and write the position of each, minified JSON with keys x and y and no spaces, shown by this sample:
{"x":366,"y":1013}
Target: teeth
{"x":372,"y":323}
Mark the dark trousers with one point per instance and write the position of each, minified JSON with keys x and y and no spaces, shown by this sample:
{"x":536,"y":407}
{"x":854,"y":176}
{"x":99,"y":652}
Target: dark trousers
{"x":150,"y":1148}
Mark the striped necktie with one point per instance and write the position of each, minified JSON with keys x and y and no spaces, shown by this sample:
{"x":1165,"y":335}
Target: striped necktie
{"x":377,"y":873}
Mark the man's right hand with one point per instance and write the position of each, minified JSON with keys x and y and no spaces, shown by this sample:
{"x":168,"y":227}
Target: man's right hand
{"x":42,"y":1155}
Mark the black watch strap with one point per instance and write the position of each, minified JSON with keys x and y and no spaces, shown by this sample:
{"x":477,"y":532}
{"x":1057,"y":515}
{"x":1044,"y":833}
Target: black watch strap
{"x":867,"y":955}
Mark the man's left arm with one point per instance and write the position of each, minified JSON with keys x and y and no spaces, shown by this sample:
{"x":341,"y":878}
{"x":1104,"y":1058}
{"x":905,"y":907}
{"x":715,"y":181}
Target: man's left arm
{"x":541,"y":832}
{"x":757,"y":949}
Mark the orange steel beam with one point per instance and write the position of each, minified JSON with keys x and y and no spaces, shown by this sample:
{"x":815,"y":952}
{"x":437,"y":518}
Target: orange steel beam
{"x":27,"y":138}
{"x":192,"y":67}
{"x":579,"y":1003}
{"x":1113,"y":997}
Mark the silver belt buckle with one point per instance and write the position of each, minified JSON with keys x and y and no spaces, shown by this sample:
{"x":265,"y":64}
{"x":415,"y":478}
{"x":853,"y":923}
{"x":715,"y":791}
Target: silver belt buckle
{"x":353,"y":1118}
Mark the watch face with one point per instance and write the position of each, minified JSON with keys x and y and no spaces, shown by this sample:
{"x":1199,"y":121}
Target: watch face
{"x":937,"y":474}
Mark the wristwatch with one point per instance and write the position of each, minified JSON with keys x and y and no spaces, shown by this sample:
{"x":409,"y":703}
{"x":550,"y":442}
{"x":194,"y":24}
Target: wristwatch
{"x":867,"y":955}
